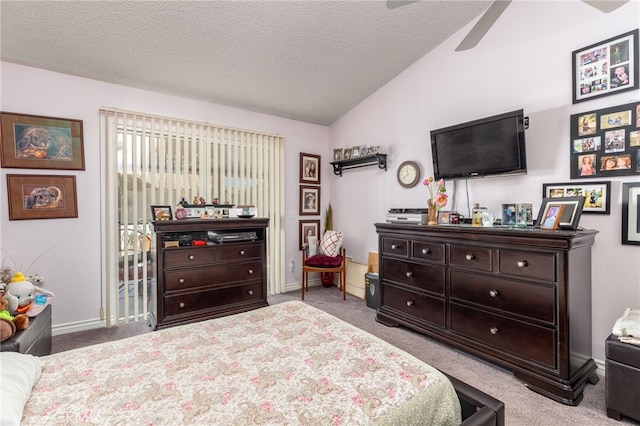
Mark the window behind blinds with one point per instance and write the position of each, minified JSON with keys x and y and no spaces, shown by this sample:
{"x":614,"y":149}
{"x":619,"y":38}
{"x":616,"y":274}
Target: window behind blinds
{"x":157,"y":161}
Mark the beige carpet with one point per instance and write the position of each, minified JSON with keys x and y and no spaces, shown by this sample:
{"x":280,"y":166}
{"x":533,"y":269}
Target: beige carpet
{"x":522,"y":406}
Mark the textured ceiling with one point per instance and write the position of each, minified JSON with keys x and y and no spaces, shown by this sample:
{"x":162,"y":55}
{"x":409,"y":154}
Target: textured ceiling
{"x":311,"y":61}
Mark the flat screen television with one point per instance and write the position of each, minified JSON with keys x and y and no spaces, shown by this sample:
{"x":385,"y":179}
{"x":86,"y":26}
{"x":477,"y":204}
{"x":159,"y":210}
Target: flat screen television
{"x":485,"y":147}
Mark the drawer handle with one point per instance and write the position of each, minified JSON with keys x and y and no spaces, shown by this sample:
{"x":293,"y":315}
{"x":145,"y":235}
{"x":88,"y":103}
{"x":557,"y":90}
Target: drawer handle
{"x":181,"y":281}
{"x":493,"y":330}
{"x":393,"y":246}
{"x":410,"y":303}
{"x":241,"y":252}
{"x":469,"y":256}
{"x":409,"y":274}
{"x":494,"y":293}
{"x":426,"y":251}
{"x":522,"y":264}
{"x":181,"y":305}
{"x":250,"y":292}
{"x":250,"y":271}
{"x":191,"y":257}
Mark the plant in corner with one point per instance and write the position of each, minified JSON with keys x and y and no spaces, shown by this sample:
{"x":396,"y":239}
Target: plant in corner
{"x":326,"y":278}
{"x":435,"y":203}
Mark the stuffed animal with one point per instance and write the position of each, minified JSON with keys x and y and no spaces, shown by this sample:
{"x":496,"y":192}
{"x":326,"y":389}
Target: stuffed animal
{"x":24,"y":297}
{"x":8,"y":323}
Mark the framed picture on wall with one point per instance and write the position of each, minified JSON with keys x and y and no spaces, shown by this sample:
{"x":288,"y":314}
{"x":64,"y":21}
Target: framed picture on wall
{"x":42,"y":197}
{"x":596,"y":194}
{"x":605,"y":68}
{"x":309,"y":168}
{"x":308,"y":228}
{"x":36,"y":142}
{"x":631,"y":213}
{"x":309,"y":200}
{"x":605,"y":142}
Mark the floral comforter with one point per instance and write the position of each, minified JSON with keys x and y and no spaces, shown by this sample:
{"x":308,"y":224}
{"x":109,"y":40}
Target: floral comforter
{"x":285,"y":364}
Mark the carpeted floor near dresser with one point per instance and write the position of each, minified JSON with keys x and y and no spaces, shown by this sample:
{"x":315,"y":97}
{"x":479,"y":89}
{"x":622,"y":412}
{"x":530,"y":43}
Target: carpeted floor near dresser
{"x":523,"y":407}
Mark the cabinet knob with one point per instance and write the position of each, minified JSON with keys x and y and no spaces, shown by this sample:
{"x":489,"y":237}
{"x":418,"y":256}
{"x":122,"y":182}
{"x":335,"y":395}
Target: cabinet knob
{"x":410,"y":303}
{"x":493,"y":330}
{"x":494,"y":293}
{"x":469,"y":256}
{"x":250,"y":292}
{"x":522,"y":264}
{"x":393,"y":246}
{"x":250,"y":271}
{"x":241,"y":252}
{"x":181,"y":281}
{"x":409,"y":274}
{"x":191,"y":257}
{"x":181,"y":305}
{"x":426,"y":251}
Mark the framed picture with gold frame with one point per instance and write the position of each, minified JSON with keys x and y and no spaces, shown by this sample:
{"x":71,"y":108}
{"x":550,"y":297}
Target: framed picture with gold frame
{"x":42,"y":196}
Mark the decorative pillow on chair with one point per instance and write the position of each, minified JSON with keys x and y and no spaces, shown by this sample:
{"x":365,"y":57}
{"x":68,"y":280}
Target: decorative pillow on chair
{"x":331,"y":243}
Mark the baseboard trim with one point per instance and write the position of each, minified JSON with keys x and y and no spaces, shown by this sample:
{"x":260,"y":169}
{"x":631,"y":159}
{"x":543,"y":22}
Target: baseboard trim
{"x":58,"y":330}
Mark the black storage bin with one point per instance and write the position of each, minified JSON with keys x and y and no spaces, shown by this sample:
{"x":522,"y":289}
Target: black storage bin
{"x":372,"y":289}
{"x":622,"y":377}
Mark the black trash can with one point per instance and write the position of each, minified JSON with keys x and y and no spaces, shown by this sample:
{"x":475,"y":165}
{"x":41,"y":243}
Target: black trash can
{"x":371,"y":288}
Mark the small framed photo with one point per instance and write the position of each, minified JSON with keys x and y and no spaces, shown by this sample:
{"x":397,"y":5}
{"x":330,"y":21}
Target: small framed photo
{"x":42,"y":197}
{"x":444,"y":217}
{"x":346,"y":155}
{"x":605,"y":68}
{"x":309,"y":200}
{"x":36,"y":142}
{"x":309,"y":168}
{"x":337,"y":154}
{"x":355,"y":152}
{"x":569,"y":216}
{"x":161,"y":213}
{"x":631,"y":213}
{"x":596,"y":194}
{"x":309,"y":229}
{"x":551,"y":216}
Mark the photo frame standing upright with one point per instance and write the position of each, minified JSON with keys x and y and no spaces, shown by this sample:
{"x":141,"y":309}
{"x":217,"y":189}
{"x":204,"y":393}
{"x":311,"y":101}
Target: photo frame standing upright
{"x":569,"y":215}
{"x":605,"y":68}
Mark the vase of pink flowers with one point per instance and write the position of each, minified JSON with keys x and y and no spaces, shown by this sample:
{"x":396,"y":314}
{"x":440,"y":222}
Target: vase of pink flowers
{"x":437,"y":198}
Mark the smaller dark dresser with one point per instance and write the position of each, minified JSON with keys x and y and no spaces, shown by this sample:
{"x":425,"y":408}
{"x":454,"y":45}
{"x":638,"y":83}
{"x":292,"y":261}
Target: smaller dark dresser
{"x":622,"y":378}
{"x":35,"y":339}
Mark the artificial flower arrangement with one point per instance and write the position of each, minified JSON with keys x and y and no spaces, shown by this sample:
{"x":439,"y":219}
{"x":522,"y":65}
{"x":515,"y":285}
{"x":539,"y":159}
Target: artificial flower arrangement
{"x":438,"y":201}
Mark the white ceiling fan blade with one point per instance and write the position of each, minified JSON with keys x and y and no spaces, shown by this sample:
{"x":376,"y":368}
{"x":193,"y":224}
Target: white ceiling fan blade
{"x":605,"y":6}
{"x":392,"y":4}
{"x":482,"y":26}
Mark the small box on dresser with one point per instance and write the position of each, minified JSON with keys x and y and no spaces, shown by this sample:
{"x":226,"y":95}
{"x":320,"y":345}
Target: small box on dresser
{"x":622,"y":378}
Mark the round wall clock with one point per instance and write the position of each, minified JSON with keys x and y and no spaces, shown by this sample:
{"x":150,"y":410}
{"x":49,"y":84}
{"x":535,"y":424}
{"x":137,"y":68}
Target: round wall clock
{"x":409,"y":174}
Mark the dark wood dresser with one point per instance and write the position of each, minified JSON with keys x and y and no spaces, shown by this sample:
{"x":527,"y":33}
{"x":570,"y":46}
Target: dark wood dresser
{"x":197,"y":282}
{"x":520,"y":298}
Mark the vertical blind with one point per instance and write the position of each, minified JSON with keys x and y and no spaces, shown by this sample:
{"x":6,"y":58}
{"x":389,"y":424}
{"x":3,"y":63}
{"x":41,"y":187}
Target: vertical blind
{"x":158,"y":161}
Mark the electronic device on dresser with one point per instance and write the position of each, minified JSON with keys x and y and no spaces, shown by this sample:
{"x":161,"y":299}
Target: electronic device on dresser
{"x":520,"y":298}
{"x":218,"y":267}
{"x":485,"y":147}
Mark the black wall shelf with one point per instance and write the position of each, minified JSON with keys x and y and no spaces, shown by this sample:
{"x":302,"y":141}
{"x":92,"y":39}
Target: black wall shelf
{"x":354,"y":163}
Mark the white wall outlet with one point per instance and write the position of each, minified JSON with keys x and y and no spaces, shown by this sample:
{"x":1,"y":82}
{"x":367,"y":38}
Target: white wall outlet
{"x":293,"y":266}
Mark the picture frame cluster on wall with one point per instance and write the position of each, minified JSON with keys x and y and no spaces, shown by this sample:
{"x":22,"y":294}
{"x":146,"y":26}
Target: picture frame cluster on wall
{"x":39,"y":142}
{"x":341,"y":154}
{"x":606,"y":142}
{"x":309,"y":200}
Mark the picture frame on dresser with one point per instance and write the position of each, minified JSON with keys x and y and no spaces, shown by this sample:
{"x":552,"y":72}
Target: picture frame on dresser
{"x":596,"y":194}
{"x":161,"y":213}
{"x":570,"y":216}
{"x":631,"y":213}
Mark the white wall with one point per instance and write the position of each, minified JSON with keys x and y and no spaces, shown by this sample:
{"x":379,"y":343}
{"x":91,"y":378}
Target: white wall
{"x":523,"y":62}
{"x":72,"y":268}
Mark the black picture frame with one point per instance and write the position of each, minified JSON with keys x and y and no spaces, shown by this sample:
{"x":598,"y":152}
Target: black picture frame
{"x":570,"y":218}
{"x":631,"y":213}
{"x":597,"y":198}
{"x":155,"y":210}
{"x":605,"y":142}
{"x":605,"y":68}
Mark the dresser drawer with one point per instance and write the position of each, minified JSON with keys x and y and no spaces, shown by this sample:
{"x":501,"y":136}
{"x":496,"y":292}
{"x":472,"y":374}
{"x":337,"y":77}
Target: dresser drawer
{"x":425,"y":308}
{"x":428,"y":251}
{"x":196,"y":256}
{"x":526,"y":264}
{"x":470,"y":257}
{"x":420,"y":276}
{"x":534,"y":301}
{"x":395,"y":246}
{"x":188,"y":303}
{"x":179,"y":279}
{"x":521,"y":339}
{"x":235,"y":252}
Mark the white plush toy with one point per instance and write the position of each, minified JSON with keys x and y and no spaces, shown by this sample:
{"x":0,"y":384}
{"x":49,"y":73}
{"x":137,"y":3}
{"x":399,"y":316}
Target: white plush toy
{"x":24,"y":297}
{"x":627,"y":327}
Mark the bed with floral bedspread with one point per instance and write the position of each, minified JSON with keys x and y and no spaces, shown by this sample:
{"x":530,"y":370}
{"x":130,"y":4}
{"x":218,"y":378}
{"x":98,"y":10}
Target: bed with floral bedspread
{"x":287,"y":364}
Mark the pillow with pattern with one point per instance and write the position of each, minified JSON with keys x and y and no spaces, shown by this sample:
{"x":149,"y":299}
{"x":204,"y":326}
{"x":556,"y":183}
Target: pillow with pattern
{"x":331,"y":243}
